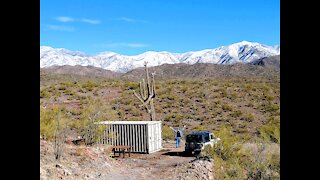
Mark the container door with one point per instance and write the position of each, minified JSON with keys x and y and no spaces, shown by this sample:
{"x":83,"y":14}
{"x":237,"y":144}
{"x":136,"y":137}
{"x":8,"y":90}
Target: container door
{"x":151,"y":138}
{"x":156,"y":138}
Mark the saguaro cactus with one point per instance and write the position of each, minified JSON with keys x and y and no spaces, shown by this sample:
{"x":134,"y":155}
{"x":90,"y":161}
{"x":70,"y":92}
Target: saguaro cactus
{"x":147,"y":93}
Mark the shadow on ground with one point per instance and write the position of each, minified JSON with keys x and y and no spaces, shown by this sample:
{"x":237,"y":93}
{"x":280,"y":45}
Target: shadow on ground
{"x":177,"y":153}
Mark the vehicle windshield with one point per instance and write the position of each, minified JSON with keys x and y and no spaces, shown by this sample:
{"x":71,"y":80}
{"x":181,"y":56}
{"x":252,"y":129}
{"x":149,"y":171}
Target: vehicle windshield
{"x":194,"y":138}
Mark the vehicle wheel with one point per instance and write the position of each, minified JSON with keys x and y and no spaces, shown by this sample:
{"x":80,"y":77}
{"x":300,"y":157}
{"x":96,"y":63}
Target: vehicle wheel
{"x":187,"y":152}
{"x":197,"y":153}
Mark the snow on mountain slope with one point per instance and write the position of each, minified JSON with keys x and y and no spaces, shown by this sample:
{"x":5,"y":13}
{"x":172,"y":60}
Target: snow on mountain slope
{"x":242,"y":52}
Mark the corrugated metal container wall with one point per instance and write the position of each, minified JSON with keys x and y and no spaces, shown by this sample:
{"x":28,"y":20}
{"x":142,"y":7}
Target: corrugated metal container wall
{"x":142,"y":136}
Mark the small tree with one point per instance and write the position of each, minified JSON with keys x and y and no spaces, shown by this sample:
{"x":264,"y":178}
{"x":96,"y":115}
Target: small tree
{"x":91,"y":129}
{"x":147,"y":93}
{"x":91,"y":132}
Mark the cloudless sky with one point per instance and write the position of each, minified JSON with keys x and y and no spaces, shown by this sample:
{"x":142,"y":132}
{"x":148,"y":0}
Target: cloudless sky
{"x":132,"y":27}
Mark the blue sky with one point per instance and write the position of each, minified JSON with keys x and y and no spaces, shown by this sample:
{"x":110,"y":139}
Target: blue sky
{"x":132,"y":27}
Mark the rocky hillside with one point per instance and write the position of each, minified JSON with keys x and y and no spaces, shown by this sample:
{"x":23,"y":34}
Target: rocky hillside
{"x":81,"y":71}
{"x":272,"y":62}
{"x":264,"y":67}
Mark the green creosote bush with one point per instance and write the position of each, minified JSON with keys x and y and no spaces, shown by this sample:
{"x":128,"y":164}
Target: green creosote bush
{"x":269,"y":97}
{"x":270,"y":131}
{"x":249,"y":117}
{"x":236,"y":114}
{"x":89,"y":85}
{"x":233,"y":160}
{"x":269,"y":107}
{"x":95,"y":111}
{"x":183,"y":89}
{"x":198,"y":128}
{"x":132,"y":85}
{"x":226,"y":107}
{"x":48,"y":121}
{"x":173,"y":117}
{"x":44,"y":93}
{"x":171,"y":97}
{"x":62,"y":88}
{"x":69,"y":92}
{"x":167,"y":133}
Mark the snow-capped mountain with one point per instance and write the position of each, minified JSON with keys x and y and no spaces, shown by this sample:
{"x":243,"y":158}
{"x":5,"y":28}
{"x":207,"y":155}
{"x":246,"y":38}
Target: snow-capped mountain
{"x":242,"y":52}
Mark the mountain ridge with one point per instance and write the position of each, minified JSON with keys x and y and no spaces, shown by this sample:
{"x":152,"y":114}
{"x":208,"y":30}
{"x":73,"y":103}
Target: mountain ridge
{"x":242,"y":52}
{"x":263,"y":67}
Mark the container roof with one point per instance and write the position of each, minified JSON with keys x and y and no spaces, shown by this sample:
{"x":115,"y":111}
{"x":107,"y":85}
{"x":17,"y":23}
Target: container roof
{"x":129,"y":122}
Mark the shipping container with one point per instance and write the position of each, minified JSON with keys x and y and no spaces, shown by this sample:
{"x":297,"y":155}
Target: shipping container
{"x":141,"y":136}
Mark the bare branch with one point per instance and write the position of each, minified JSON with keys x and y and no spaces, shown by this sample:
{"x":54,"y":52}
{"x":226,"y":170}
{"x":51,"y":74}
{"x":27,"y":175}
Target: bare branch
{"x":134,"y":92}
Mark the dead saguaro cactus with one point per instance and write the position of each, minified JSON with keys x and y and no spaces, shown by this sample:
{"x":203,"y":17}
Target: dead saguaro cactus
{"x":147,"y":93}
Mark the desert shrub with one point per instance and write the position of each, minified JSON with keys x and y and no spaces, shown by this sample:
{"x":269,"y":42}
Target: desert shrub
{"x":231,"y":169}
{"x":190,"y":93}
{"x":215,"y":114}
{"x":62,"y":87}
{"x":48,"y":121}
{"x":132,"y":85}
{"x":69,"y":92}
{"x":226,"y":107}
{"x":236,"y":114}
{"x":136,"y":112}
{"x":44,"y":93}
{"x":199,"y":100}
{"x":250,"y":104}
{"x":223,"y":93}
{"x":237,"y":159}
{"x":51,"y":88}
{"x":233,"y":96}
{"x":269,"y":107}
{"x":219,"y":111}
{"x":127,"y":108}
{"x":266,"y":88}
{"x":198,"y":128}
{"x":249,"y":117}
{"x":269,"y":97}
{"x":77,"y":124}
{"x":184,"y":101}
{"x":169,"y":89}
{"x":166,"y":106}
{"x":171,"y":82}
{"x":91,"y":112}
{"x":260,"y":160}
{"x":228,"y":144}
{"x":162,"y":92}
{"x":126,"y":101}
{"x":248,"y":87}
{"x":271,"y":130}
{"x":171,"y":97}
{"x":89,"y":85}
{"x":167,"y":133}
{"x":173,"y":117}
{"x":183,"y":89}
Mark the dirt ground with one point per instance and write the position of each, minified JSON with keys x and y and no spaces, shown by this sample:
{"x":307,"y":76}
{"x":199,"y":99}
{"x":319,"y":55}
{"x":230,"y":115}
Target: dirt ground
{"x":81,"y":162}
{"x":162,"y":164}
